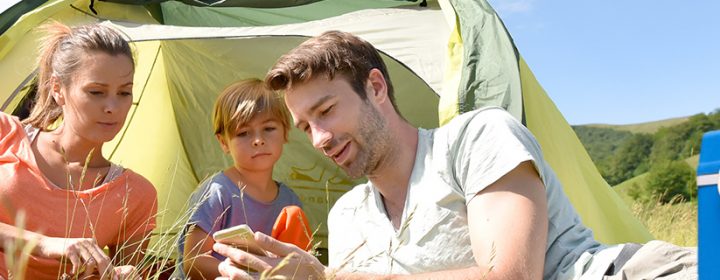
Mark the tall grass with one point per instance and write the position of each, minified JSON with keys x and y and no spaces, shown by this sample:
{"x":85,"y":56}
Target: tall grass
{"x":672,"y":222}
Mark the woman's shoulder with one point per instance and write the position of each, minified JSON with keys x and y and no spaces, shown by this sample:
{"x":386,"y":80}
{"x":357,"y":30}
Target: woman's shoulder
{"x":138,"y":182}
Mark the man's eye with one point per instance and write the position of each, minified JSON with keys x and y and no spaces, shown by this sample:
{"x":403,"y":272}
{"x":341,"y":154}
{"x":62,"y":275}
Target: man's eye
{"x":326,"y":111}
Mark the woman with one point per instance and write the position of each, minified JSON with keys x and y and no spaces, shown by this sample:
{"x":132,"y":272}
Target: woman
{"x":75,"y":202}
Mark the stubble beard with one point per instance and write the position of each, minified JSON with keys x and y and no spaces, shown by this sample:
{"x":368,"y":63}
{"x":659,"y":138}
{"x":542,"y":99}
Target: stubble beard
{"x":373,"y":141}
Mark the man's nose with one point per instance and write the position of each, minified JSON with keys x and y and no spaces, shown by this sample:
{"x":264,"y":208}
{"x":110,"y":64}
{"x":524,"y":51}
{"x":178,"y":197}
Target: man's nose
{"x":320,"y":137}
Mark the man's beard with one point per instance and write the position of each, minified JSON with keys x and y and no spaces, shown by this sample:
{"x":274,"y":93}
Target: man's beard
{"x":373,"y":141}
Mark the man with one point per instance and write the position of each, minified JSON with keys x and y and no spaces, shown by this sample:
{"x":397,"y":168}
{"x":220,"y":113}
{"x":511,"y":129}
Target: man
{"x":473,"y":199}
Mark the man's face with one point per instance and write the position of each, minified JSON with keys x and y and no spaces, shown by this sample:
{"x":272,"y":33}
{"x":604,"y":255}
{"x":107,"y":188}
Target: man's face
{"x":346,"y":128}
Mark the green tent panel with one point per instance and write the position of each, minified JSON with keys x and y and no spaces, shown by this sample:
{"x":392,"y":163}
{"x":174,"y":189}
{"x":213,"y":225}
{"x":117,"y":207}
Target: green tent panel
{"x":444,"y":59}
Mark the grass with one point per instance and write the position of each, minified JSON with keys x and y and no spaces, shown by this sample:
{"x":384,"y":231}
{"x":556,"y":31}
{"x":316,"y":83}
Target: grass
{"x":675,"y":223}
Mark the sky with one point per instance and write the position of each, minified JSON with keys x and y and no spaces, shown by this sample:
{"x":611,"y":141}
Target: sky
{"x":620,"y":62}
{"x":617,"y":62}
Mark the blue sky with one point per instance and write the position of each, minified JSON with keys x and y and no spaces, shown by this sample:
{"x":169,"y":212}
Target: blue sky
{"x":620,"y":62}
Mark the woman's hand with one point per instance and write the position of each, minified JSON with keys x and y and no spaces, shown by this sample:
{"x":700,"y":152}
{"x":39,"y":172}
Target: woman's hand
{"x":84,"y":254}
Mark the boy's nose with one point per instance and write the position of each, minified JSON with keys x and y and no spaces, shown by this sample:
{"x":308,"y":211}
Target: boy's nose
{"x":258,"y":142}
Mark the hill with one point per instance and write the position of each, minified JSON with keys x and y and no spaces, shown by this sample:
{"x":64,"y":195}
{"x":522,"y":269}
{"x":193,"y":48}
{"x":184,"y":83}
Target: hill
{"x":647,"y":127}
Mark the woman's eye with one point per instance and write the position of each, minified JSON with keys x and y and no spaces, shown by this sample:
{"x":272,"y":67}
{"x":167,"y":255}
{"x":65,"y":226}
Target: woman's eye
{"x":95,"y":92}
{"x":126,"y":93}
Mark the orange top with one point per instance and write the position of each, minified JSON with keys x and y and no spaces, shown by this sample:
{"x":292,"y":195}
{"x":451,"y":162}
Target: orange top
{"x":111,"y":213}
{"x":292,"y":226}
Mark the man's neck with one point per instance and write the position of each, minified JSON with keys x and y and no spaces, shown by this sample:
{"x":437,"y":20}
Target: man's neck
{"x":392,"y":176}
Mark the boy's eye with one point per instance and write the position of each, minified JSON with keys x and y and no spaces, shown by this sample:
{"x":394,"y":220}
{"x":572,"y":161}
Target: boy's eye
{"x":242,"y":133}
{"x":270,"y":128}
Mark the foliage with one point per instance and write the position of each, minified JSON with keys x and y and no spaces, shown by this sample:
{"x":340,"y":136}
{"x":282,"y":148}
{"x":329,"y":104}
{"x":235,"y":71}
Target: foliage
{"x":665,"y":182}
{"x":620,"y":156}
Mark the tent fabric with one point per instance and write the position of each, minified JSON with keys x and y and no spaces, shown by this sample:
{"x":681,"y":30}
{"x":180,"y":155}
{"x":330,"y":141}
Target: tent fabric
{"x":442,"y":61}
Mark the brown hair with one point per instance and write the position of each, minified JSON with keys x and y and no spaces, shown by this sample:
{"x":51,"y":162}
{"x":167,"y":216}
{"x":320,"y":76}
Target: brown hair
{"x":333,"y":53}
{"x":241,"y":101}
{"x":62,"y":52}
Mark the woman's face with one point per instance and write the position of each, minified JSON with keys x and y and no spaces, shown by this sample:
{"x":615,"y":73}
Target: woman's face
{"x":98,"y":96}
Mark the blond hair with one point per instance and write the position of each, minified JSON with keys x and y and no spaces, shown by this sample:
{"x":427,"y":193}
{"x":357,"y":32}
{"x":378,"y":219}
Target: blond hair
{"x":333,"y":53}
{"x":241,"y":101}
{"x":62,"y":52}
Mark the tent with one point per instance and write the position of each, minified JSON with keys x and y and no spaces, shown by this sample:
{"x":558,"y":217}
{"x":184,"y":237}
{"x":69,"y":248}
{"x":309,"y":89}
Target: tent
{"x":445,"y":57}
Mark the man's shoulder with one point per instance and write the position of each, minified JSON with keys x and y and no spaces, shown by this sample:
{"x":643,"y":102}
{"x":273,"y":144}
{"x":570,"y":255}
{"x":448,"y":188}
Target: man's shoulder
{"x":479,"y":117}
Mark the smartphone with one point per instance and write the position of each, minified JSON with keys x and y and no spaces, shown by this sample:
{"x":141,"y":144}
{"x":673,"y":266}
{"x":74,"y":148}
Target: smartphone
{"x":240,"y":236}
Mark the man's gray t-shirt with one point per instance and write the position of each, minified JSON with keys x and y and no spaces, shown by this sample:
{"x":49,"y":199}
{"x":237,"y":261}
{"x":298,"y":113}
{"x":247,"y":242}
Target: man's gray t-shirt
{"x":452,"y":164}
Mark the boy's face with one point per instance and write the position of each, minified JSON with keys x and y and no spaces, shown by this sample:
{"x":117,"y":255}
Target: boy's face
{"x":341,"y":125}
{"x":257,"y":145}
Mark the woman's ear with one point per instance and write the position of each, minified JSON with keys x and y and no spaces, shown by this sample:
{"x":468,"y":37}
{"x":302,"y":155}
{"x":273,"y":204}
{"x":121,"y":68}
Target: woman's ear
{"x":56,"y":91}
{"x":223,"y":142}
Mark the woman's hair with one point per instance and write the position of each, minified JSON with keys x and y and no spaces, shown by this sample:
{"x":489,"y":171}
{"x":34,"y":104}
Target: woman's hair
{"x":62,"y":52}
{"x":241,"y":101}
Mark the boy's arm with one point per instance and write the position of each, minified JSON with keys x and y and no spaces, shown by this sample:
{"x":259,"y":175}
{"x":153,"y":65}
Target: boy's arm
{"x":198,"y":263}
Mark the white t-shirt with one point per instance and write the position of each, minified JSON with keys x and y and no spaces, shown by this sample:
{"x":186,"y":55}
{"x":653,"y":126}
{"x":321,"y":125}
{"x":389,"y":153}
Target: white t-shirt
{"x":452,"y":164}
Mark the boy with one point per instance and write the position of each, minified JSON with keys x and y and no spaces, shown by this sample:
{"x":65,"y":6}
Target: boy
{"x":251,"y":123}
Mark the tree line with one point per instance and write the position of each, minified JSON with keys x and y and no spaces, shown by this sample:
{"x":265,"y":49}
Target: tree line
{"x":621,"y":155}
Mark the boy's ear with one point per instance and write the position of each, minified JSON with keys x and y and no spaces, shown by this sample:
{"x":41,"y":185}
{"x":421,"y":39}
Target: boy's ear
{"x":223,"y":142}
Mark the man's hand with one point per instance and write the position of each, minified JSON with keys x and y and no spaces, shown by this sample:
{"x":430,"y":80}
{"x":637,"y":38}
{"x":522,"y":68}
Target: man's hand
{"x":84,"y":254}
{"x":285,"y":259}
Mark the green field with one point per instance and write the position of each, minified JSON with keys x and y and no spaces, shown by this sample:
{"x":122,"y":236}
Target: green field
{"x":675,"y":223}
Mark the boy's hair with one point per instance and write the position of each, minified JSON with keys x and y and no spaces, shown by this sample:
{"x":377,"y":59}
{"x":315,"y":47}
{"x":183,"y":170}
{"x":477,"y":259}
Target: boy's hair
{"x":333,"y":53}
{"x":241,"y":101}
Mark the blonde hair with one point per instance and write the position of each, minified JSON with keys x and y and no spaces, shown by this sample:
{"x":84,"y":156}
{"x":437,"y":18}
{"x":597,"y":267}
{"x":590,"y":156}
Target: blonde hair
{"x":241,"y":101}
{"x":62,"y":52}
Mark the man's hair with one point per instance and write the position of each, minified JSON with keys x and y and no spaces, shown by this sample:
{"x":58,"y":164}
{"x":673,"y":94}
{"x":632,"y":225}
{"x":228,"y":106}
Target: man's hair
{"x":332,"y":54}
{"x":241,"y":101}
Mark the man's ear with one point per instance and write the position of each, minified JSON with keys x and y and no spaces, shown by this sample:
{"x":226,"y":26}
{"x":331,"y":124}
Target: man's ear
{"x":56,"y":91}
{"x":223,"y":142}
{"x":376,"y":87}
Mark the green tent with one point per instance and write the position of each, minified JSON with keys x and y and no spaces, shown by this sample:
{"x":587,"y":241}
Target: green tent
{"x":445,"y":57}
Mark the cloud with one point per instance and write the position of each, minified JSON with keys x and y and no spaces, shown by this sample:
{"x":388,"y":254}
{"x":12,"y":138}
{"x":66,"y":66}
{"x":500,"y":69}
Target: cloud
{"x":513,"y":6}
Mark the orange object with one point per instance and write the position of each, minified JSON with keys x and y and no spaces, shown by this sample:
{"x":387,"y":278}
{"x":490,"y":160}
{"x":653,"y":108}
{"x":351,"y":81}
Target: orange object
{"x":292,"y":226}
